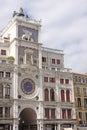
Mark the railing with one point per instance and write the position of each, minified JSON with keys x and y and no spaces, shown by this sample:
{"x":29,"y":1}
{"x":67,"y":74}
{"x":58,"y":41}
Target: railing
{"x":5,"y":116}
{"x":52,"y":50}
{"x":4,"y":61}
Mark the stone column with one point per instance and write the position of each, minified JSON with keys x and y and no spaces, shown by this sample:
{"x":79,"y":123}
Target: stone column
{"x":39,"y":34}
{"x":75,"y":127}
{"x":15,"y":83}
{"x":41,"y":126}
{"x":15,"y":126}
{"x":3,"y":112}
{"x":4,"y":90}
{"x":58,"y":127}
{"x":10,"y":127}
{"x":55,"y":126}
{"x":40,"y":57}
{"x":38,"y":126}
{"x":65,"y":94}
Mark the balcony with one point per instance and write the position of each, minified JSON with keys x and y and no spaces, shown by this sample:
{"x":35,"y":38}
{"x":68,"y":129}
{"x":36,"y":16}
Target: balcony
{"x":6,"y":120}
{"x":67,"y":120}
{"x":6,"y":79}
{"x":46,"y":84}
{"x":50,"y":118}
{"x":70,"y":104}
{"x":78,"y":94}
{"x":85,"y":94}
{"x":6,"y":116}
{"x":4,"y":62}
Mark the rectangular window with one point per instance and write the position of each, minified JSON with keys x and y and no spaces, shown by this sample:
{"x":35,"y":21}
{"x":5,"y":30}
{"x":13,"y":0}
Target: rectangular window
{"x":35,"y":61}
{"x":76,"y":79}
{"x":62,"y":96}
{"x":84,"y":92}
{"x":8,"y":74}
{"x":53,"y":61}
{"x":61,"y":81}
{"x":69,"y":113}
{"x":7,"y":111}
{"x":85,"y":103}
{"x":45,"y":79}
{"x":78,"y":91}
{"x":7,"y":92}
{"x":79,"y":79}
{"x":3,"y":52}
{"x":53,"y":113}
{"x":79,"y":102}
{"x":83,"y":79}
{"x":46,"y":95}
{"x":52,"y":80}
{"x":52,"y":68}
{"x":63,"y":113}
{"x":1,"y":111}
{"x":86,"y":117}
{"x":21,"y":59}
{"x":3,"y":61}
{"x":1,"y":74}
{"x":6,"y":39}
{"x":28,"y":58}
{"x":43,"y":59}
{"x":66,"y":81}
{"x":58,"y":61}
{"x":80,"y":117}
{"x":86,"y":80}
{"x":1,"y":91}
{"x":47,"y":112}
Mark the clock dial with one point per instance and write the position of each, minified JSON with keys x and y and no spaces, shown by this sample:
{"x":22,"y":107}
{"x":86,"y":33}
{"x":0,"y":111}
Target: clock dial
{"x":28,"y":86}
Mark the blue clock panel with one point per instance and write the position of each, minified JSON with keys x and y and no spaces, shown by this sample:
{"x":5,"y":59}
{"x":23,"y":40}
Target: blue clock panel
{"x":28,"y":86}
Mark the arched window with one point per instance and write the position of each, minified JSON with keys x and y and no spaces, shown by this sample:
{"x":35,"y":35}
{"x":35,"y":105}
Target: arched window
{"x":7,"y":111}
{"x":1,"y":90}
{"x":7,"y":91}
{"x":62,"y":96}
{"x":52,"y":112}
{"x":63,"y":113}
{"x":67,"y":95}
{"x":69,"y":113}
{"x":46,"y":94}
{"x":52,"y":95}
{"x":47,"y":112}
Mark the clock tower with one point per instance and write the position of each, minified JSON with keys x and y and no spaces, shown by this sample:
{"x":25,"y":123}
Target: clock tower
{"x":25,"y":47}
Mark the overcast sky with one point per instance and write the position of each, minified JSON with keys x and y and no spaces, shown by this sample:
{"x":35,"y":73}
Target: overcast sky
{"x":64,"y":26}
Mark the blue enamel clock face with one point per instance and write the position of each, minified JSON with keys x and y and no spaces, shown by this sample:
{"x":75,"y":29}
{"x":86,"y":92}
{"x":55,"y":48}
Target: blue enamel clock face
{"x":28,"y":86}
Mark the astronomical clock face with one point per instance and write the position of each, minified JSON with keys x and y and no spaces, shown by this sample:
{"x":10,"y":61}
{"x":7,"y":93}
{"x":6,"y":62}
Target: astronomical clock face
{"x":28,"y":86}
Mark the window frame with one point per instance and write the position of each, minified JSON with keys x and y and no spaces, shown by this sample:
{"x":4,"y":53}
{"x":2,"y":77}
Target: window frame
{"x":44,"y":59}
{"x":3,"y":52}
{"x":53,"y":61}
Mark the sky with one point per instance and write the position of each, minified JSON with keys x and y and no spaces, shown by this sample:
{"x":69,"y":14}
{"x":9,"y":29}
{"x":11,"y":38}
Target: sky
{"x":64,"y":26}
